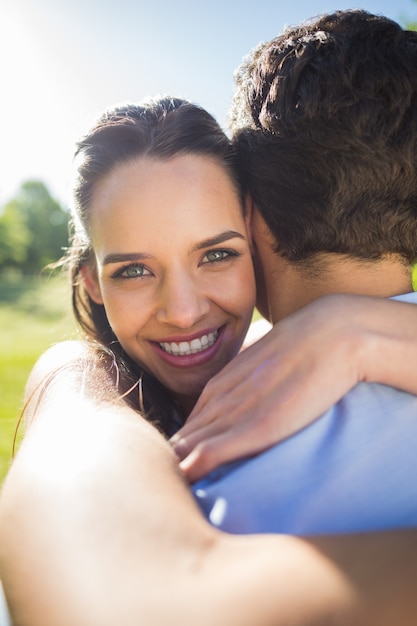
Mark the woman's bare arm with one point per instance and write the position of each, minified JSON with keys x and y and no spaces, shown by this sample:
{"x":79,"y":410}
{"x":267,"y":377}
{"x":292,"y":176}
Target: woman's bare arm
{"x":97,"y":527}
{"x":290,"y":377}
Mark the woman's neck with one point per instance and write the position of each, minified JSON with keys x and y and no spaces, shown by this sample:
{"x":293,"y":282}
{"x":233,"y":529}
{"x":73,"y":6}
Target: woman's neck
{"x":185,"y":405}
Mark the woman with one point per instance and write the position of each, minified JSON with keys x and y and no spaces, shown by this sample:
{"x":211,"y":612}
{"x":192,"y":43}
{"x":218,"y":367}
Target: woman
{"x":95,"y":513}
{"x":165,"y":252}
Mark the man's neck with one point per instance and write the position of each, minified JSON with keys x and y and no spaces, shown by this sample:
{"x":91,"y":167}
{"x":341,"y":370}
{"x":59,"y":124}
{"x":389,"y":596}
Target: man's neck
{"x":291,"y":287}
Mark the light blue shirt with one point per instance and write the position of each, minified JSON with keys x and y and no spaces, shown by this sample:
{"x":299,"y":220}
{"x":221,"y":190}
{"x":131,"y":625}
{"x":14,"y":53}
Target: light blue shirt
{"x":354,"y":469}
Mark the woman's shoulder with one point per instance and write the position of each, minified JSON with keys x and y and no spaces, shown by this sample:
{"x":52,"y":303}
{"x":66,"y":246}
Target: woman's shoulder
{"x":60,"y":354}
{"x":62,"y":362}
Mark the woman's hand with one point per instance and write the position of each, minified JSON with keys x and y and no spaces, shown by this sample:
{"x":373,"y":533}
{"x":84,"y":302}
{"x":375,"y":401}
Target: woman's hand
{"x":290,"y":377}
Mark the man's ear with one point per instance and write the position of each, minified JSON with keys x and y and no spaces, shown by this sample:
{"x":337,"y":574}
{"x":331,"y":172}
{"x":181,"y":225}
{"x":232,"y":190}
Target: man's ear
{"x":91,"y":283}
{"x":260,"y":228}
{"x":248,"y":220}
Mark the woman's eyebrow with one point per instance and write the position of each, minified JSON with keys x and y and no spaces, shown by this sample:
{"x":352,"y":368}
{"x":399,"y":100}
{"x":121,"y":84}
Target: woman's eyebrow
{"x":214,"y":241}
{"x":120,"y":258}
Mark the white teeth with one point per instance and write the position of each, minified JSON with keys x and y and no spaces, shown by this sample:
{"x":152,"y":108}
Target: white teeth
{"x":185,"y":348}
{"x":196,"y":345}
{"x":190,"y":347}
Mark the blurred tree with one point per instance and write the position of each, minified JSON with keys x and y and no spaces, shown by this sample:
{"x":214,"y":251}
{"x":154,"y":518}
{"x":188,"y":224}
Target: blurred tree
{"x":14,"y":238}
{"x":33,"y":229}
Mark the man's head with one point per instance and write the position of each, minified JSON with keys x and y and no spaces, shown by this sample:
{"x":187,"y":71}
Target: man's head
{"x":325,"y":122}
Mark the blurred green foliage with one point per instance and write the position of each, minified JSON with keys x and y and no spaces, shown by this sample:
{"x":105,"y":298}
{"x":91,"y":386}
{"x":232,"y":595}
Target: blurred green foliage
{"x":33,"y":229}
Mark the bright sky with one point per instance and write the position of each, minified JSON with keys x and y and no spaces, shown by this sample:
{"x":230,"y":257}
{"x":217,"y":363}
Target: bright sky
{"x":62,"y":62}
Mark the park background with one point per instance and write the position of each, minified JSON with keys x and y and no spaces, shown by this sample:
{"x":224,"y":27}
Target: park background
{"x":62,"y":63}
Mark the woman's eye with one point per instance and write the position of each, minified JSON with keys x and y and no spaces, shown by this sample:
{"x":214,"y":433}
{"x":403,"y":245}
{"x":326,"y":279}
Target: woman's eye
{"x":216,"y":255}
{"x":132,"y":271}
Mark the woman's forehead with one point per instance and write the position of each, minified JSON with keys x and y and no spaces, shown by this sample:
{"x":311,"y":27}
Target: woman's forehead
{"x":150,"y":199}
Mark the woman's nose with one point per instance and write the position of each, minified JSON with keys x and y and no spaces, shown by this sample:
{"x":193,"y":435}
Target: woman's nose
{"x":182,"y":302}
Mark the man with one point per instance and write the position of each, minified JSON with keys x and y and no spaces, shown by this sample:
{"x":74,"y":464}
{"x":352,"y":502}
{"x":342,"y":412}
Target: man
{"x":325,"y":122}
{"x":115,"y":537}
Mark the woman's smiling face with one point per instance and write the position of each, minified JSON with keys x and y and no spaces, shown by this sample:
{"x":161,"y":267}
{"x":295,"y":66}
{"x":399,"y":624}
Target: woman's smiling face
{"x":174,"y":268}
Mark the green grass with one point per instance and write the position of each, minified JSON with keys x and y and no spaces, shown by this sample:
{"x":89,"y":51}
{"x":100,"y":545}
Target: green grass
{"x":34,"y":313}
